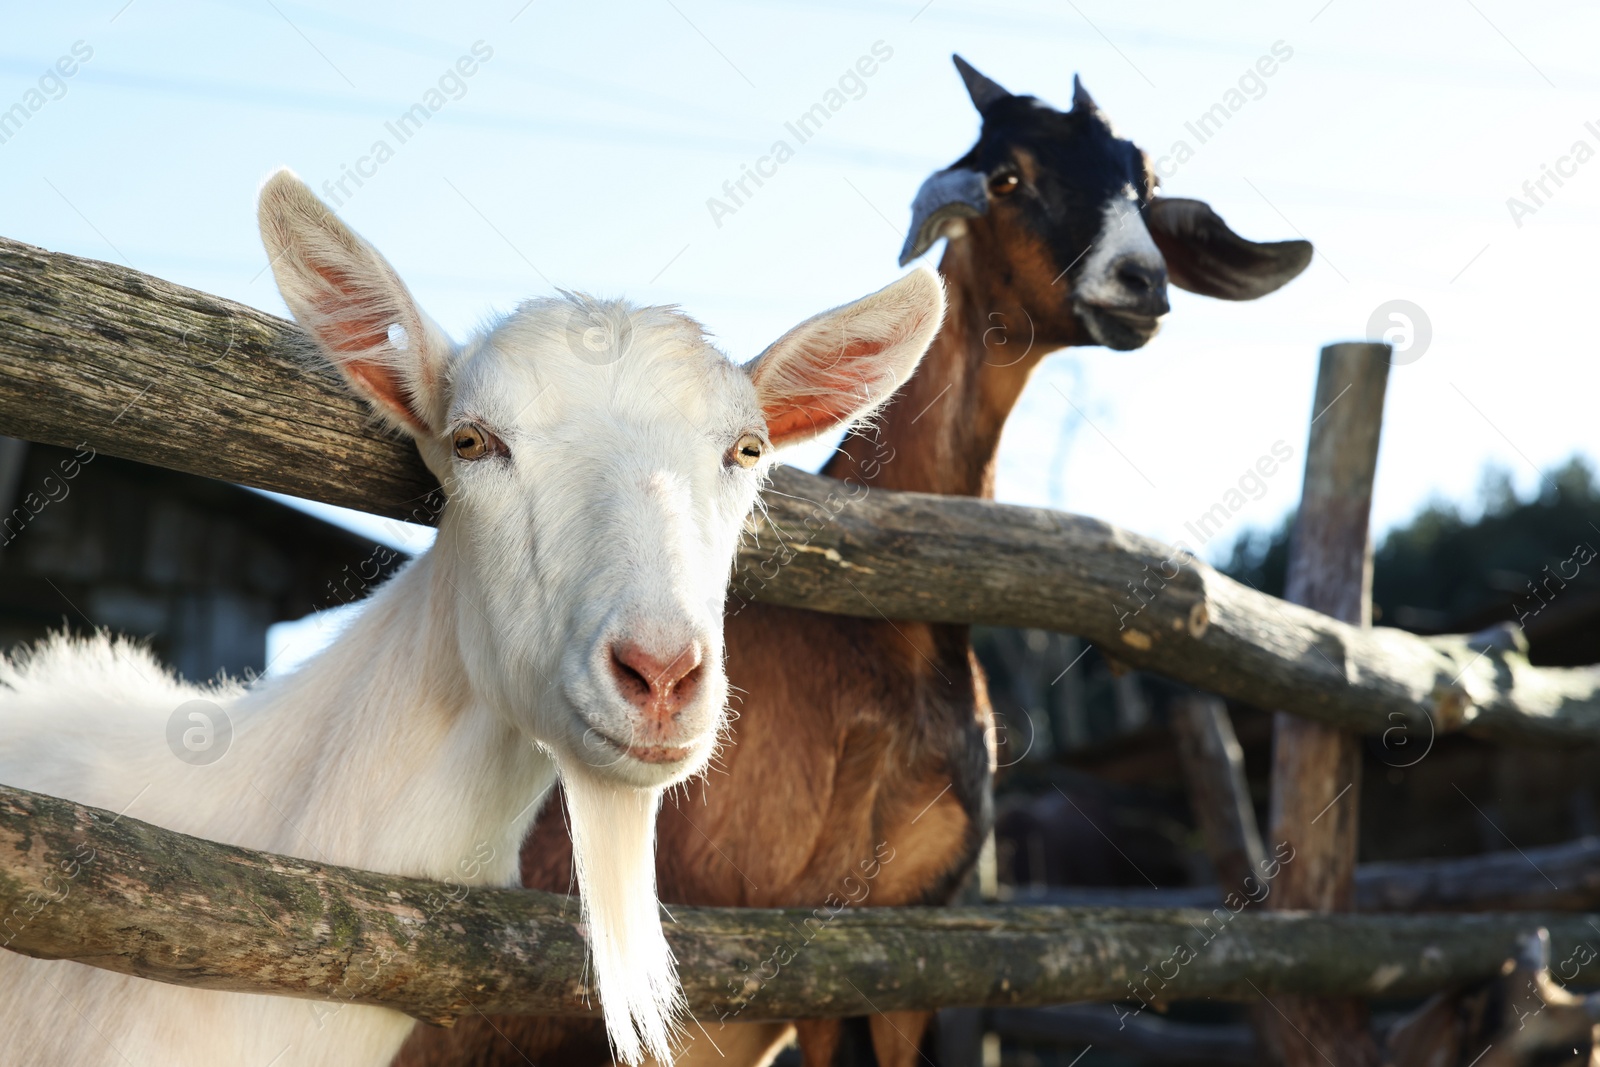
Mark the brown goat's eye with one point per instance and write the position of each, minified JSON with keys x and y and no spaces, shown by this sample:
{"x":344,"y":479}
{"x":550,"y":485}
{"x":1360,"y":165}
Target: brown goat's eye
{"x":747,"y":451}
{"x":1004,"y":184}
{"x":472,"y":441}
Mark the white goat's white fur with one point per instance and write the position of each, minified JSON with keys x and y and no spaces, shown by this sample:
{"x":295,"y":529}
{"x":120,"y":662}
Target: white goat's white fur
{"x":422,"y":741}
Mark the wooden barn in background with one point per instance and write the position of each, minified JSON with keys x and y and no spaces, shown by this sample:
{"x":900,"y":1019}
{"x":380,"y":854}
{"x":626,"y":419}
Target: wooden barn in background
{"x":198,"y":567}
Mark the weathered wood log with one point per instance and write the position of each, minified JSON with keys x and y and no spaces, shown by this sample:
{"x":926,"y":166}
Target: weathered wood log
{"x":950,"y":559}
{"x":1149,"y":1038}
{"x":1564,"y":877}
{"x":1219,"y":797}
{"x":1316,"y":766}
{"x":167,"y":375}
{"x":144,"y":369}
{"x":83,"y":884}
{"x":1521,"y":1018}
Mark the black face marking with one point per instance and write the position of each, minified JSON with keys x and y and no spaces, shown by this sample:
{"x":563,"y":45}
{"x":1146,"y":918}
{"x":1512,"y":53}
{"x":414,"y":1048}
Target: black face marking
{"x":1068,"y":166}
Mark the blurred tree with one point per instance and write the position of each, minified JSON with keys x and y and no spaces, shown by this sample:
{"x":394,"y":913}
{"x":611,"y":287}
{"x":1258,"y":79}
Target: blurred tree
{"x":1532,"y":560}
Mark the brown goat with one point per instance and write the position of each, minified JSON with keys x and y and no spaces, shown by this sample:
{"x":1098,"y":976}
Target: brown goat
{"x":861,"y":752}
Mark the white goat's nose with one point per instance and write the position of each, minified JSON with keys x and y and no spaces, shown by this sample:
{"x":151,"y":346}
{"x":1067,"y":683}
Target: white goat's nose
{"x":659,"y":686}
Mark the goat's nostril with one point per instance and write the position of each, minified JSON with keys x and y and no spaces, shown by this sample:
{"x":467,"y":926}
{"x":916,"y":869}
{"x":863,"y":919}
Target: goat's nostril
{"x":633,"y":685}
{"x":689,"y":684}
{"x":1140,"y":277}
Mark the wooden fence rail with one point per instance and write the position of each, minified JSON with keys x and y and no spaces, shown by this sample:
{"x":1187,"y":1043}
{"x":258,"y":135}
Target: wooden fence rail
{"x":84,"y":884}
{"x":141,"y":368}
{"x":1490,"y":881}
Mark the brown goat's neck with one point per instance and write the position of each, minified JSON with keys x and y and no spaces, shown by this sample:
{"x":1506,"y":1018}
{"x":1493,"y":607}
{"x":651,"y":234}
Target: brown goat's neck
{"x":942,"y":430}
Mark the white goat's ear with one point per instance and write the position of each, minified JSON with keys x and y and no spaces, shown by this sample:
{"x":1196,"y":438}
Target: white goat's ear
{"x":842,"y":364}
{"x":354,"y":305}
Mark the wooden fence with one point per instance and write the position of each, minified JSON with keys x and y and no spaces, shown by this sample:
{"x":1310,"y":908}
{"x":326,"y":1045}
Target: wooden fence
{"x":80,"y":883}
{"x":155,"y":372}
{"x":140,"y":368}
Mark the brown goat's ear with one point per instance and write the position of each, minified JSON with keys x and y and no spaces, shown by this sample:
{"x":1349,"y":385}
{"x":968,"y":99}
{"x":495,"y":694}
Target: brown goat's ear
{"x":839,"y":366}
{"x":1205,"y":257}
{"x":355,"y":307}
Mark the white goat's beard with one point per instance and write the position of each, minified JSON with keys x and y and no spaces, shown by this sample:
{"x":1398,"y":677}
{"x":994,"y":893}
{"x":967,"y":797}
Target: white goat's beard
{"x":613,"y":852}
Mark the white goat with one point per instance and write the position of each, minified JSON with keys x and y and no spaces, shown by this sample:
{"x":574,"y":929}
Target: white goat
{"x":600,"y":460}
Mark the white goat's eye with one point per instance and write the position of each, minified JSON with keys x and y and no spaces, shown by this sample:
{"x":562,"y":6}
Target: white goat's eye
{"x":747,"y":451}
{"x":472,"y":441}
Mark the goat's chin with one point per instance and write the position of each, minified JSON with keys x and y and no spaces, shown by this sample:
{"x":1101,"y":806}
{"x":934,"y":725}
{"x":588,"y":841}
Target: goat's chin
{"x":1118,"y":330}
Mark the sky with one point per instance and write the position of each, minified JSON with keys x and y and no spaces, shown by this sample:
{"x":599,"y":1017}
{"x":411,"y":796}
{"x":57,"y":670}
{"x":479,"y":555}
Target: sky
{"x":582,"y":150}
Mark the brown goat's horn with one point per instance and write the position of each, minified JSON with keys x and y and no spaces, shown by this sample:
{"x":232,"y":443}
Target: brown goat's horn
{"x":984,"y":91}
{"x":1081,"y":97}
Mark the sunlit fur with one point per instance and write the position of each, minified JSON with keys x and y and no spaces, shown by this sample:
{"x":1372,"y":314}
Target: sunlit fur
{"x":423,"y":740}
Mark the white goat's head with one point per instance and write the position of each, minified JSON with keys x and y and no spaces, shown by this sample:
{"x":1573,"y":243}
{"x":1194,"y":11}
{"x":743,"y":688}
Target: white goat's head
{"x":600,"y":461}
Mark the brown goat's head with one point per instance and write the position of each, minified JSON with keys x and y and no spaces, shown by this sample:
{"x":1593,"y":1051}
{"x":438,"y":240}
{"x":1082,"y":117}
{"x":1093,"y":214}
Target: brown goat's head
{"x":1067,"y":214}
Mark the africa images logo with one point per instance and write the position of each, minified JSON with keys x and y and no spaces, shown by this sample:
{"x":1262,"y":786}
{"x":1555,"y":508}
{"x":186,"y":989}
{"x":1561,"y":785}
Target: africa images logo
{"x":199,"y":732}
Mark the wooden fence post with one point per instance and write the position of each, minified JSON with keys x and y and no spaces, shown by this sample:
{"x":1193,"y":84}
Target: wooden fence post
{"x":1219,"y":796}
{"x":1316,"y":768}
{"x":1213,"y":767}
